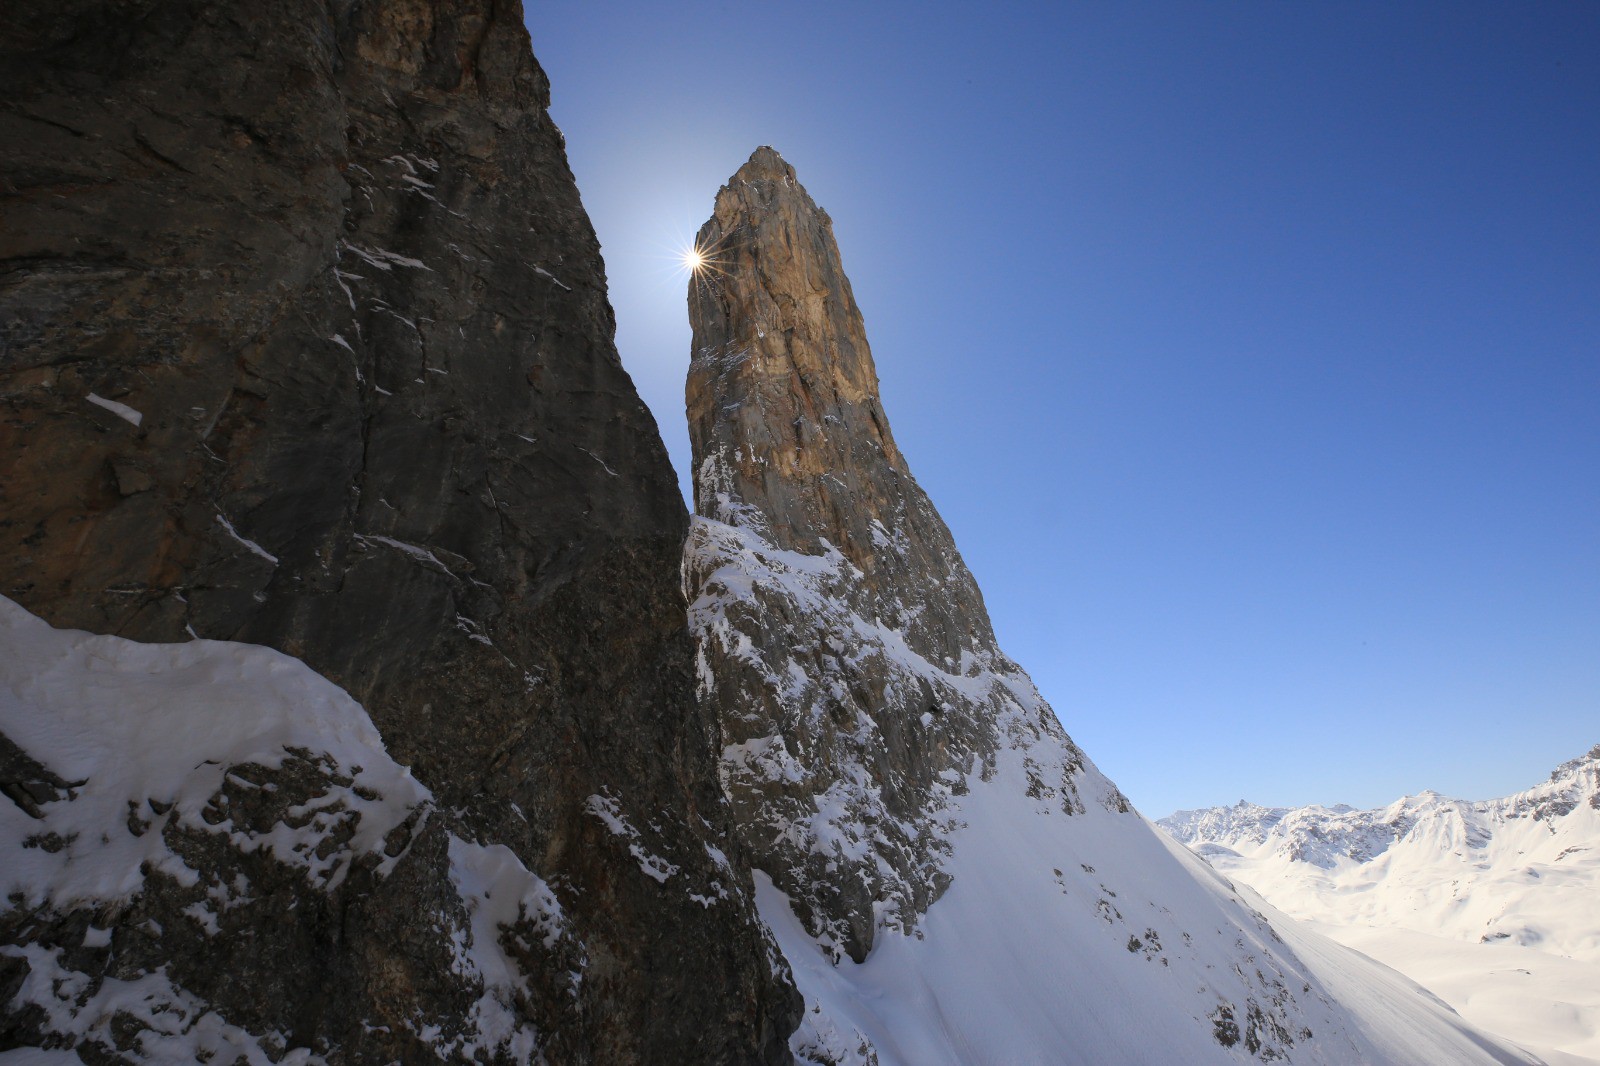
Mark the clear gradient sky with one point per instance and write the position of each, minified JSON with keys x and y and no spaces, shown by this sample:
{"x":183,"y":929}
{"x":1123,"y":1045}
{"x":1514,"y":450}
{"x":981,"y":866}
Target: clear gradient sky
{"x":1251,"y":350}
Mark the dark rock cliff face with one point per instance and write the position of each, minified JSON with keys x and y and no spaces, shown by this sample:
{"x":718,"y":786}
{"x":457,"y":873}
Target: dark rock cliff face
{"x":304,"y":342}
{"x":843,"y":641}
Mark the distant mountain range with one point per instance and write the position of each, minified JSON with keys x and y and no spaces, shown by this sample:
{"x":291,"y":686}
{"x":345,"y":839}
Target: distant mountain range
{"x":1520,"y":872}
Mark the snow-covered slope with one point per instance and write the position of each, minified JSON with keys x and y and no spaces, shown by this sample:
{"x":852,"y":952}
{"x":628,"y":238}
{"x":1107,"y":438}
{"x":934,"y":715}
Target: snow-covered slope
{"x":1071,"y":930}
{"x":1494,"y":905}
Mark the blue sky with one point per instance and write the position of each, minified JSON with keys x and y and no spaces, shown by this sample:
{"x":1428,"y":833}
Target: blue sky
{"x":1251,"y":351}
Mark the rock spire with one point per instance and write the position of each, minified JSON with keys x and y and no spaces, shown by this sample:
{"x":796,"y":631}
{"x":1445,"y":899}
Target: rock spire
{"x":793,"y":452}
{"x":785,"y":419}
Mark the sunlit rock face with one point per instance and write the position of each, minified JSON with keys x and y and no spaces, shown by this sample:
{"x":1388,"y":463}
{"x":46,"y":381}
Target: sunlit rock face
{"x":784,"y":413}
{"x":306,"y":344}
{"x":843,"y":642}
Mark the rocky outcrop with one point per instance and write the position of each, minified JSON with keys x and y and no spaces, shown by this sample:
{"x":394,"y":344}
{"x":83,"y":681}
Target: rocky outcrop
{"x":856,"y":682}
{"x":784,"y":413}
{"x":304,"y":343}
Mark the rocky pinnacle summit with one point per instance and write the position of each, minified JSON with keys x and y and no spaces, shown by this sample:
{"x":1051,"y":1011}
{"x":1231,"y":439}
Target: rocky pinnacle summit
{"x":784,"y":414}
{"x":793,"y":451}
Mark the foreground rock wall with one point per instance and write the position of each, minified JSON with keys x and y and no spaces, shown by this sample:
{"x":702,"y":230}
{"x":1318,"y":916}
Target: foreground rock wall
{"x":304,"y":343}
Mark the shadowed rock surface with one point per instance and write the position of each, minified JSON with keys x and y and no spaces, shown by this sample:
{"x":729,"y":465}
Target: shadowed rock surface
{"x":304,"y":342}
{"x":845,"y":645}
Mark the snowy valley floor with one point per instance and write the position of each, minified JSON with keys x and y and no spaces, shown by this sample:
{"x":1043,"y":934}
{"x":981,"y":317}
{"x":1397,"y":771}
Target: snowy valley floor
{"x":1547,"y":1003}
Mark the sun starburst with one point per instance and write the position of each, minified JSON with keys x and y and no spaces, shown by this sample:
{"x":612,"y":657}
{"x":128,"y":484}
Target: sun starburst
{"x":703,"y":259}
{"x":703,"y":262}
